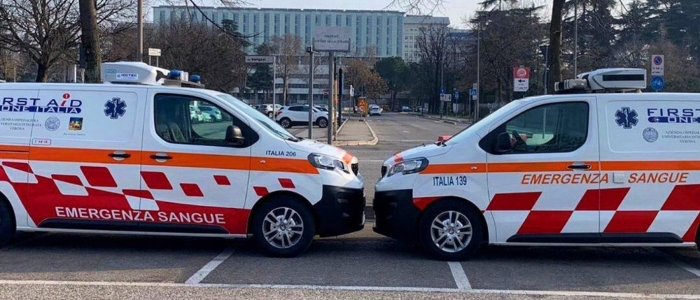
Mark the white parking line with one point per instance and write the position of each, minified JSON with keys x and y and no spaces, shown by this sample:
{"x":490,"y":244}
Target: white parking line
{"x":674,"y":261}
{"x":354,"y":288}
{"x":460,"y":277}
{"x":209,"y":267}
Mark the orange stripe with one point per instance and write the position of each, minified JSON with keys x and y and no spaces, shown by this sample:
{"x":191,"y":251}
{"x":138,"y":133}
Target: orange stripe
{"x":454,"y":168}
{"x":10,"y":148}
{"x":536,"y":167}
{"x":650,"y":165}
{"x":209,"y":161}
{"x":96,"y":156}
{"x":347,"y":158}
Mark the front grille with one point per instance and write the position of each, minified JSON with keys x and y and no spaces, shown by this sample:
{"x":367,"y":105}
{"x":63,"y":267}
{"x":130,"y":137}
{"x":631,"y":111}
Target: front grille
{"x":383,"y":171}
{"x":355,"y":168}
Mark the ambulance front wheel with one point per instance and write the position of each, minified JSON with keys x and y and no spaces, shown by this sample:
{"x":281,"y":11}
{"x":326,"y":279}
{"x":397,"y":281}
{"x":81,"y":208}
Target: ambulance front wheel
{"x":283,"y":227}
{"x":450,"y":230}
{"x":7,"y":224}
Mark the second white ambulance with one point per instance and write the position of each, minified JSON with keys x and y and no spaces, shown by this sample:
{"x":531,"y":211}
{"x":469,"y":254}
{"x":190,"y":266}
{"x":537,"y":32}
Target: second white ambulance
{"x":591,"y":165}
{"x":128,"y":157}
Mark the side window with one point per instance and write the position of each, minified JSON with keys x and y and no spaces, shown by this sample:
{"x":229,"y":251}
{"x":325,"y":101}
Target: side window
{"x":550,"y":128}
{"x":187,"y":120}
{"x":294,"y":108}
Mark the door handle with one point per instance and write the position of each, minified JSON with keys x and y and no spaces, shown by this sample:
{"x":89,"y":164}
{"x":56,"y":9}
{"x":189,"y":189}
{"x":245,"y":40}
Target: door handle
{"x":579,"y":166}
{"x":119,"y":155}
{"x":161,"y":156}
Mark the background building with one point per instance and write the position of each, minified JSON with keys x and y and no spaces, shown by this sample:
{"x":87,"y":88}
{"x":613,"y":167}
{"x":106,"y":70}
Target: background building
{"x":387,"y":33}
{"x":380,"y":29}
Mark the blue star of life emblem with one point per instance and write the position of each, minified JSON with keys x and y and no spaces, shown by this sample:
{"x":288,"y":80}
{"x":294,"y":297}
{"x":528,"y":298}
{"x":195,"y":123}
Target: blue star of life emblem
{"x":115,"y":108}
{"x":626,"y":117}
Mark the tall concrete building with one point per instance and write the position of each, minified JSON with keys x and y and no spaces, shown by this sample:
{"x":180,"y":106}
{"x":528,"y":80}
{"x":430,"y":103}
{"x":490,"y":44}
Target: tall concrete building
{"x":412,"y":30}
{"x":382,"y":30}
{"x":386,"y":32}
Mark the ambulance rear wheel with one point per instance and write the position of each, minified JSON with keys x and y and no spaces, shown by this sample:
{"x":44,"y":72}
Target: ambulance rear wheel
{"x":283,"y":227}
{"x":7,"y":224}
{"x":450,"y":230}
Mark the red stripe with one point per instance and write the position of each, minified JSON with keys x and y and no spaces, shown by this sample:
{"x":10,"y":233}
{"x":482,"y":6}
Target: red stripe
{"x":631,"y":222}
{"x":691,"y":235}
{"x":545,"y":222}
{"x":610,"y":199}
{"x":683,"y":197}
{"x":222,"y":180}
{"x":589,"y":201}
{"x":514,"y":201}
{"x":261,"y":191}
{"x":156,"y":180}
{"x":68,"y":178}
{"x":138,"y":193}
{"x":286,"y":183}
{"x":18,"y":166}
{"x":98,"y":176}
{"x":423,"y":202}
{"x":3,"y":175}
{"x":191,"y":190}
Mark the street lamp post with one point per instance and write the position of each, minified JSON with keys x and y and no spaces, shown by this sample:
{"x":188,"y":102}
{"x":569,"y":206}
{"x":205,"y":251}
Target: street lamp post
{"x":311,"y":89}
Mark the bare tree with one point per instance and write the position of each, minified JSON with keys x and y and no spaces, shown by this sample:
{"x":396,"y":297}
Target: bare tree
{"x":90,"y":39}
{"x":432,"y":49}
{"x":288,"y":49}
{"x":47,"y":30}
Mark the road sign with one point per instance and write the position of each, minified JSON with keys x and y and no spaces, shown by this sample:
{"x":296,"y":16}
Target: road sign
{"x":153,"y":52}
{"x":657,"y":65}
{"x":657,"y":83}
{"x":445,"y":97}
{"x":332,"y":39}
{"x":259,"y":59}
{"x":521,"y":79}
{"x":472,"y":92}
{"x":456,"y":95}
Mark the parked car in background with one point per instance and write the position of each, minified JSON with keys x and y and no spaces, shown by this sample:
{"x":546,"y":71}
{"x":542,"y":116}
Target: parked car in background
{"x":289,"y":116}
{"x":196,"y":115}
{"x":375,"y":110}
{"x":267,"y":109}
{"x":213,"y":112}
{"x":405,"y":109}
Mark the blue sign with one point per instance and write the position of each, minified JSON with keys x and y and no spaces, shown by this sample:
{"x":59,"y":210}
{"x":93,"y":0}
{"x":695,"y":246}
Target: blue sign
{"x":657,"y":83}
{"x":442,"y":90}
{"x":472,"y":92}
{"x":658,"y":60}
{"x":456,"y":95}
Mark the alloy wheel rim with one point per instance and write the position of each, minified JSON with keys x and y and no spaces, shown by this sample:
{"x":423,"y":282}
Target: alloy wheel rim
{"x":451,"y":231}
{"x":283,"y":227}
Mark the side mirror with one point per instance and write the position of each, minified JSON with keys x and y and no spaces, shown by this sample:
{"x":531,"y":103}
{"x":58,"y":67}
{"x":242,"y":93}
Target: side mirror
{"x":503,"y":142}
{"x":234,"y":136}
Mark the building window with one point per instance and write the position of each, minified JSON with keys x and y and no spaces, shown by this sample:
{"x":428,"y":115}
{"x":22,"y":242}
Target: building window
{"x":328,"y":20}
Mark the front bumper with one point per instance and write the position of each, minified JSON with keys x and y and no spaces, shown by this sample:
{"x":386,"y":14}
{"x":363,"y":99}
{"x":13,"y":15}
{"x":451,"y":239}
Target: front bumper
{"x":395,"y":215}
{"x":340,"y":211}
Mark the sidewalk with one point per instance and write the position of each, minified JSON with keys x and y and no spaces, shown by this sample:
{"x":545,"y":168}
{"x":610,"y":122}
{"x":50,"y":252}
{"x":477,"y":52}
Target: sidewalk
{"x":355,"y":132}
{"x":446,"y":119}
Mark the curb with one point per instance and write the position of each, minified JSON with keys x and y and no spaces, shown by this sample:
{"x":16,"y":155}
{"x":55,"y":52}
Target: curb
{"x":372,"y":142}
{"x":453,"y":122}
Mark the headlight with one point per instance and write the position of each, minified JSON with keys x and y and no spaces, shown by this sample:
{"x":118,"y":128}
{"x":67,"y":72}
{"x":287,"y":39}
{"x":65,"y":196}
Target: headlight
{"x":327,"y":162}
{"x":408,"y":166}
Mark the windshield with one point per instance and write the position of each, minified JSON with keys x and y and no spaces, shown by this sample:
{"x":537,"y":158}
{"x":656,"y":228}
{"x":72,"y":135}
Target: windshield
{"x":466,"y":132}
{"x":258,"y":116}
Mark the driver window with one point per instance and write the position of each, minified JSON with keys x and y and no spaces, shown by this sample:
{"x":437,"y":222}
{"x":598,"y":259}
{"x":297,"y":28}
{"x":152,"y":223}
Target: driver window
{"x":182,"y":119}
{"x":551,"y":128}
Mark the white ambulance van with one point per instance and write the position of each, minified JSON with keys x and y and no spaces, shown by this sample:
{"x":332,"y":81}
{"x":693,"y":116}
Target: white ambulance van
{"x":597,"y":163}
{"x":127,"y":156}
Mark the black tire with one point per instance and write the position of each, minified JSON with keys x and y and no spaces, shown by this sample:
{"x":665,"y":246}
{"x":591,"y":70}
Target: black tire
{"x":458,"y":248}
{"x":322,"y":122}
{"x":276,"y":247}
{"x":286,"y":123}
{"x":7,"y":224}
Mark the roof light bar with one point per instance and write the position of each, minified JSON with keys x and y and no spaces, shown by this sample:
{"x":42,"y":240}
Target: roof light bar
{"x":126,"y":72}
{"x":605,"y":80}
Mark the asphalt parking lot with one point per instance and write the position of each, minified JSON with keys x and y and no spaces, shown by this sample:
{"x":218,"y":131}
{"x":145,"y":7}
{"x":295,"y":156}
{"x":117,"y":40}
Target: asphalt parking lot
{"x":361,"y":261}
{"x":355,"y":266}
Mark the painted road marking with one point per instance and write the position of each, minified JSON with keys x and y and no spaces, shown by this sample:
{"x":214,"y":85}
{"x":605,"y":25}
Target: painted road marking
{"x":210,"y":266}
{"x":675,"y":261}
{"x":460,"y":277}
{"x":355,"y":288}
